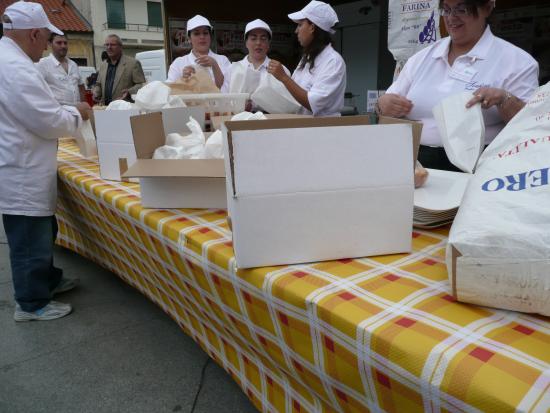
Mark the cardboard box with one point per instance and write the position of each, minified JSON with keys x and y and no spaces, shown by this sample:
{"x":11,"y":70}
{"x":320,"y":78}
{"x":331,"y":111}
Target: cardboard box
{"x":304,"y":190}
{"x":218,"y":120}
{"x":416,"y":131}
{"x":115,"y":143}
{"x":173,"y":183}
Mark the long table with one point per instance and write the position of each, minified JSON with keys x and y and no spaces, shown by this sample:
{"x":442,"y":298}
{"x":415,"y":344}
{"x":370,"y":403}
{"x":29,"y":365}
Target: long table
{"x":353,"y":335}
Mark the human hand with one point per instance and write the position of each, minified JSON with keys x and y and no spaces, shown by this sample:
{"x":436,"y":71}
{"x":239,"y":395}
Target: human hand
{"x":125,"y":94}
{"x":84,"y":110}
{"x":276,"y":68}
{"x":187,"y":72}
{"x":394,"y":105}
{"x":206,"y":61}
{"x":248,"y":105}
{"x":488,"y":97}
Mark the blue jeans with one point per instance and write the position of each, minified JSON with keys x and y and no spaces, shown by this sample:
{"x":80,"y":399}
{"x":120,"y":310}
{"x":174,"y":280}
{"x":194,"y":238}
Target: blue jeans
{"x":31,"y":241}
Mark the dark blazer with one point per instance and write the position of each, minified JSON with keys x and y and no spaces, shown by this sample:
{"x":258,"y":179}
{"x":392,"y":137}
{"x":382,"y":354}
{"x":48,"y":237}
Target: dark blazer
{"x":129,"y":76}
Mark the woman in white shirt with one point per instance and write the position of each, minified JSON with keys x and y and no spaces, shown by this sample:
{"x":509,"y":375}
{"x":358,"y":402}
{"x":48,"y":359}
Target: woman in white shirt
{"x":253,"y":67}
{"x":319,"y":82}
{"x":199,"y":31}
{"x":500,"y":75}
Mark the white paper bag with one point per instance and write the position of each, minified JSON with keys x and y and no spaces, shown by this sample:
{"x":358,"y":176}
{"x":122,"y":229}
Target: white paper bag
{"x":214,"y":147}
{"x":85,"y":139}
{"x":120,"y":105}
{"x":152,"y":96}
{"x":462,"y":130}
{"x":498,"y":253}
{"x":273,"y":97}
{"x":244,"y":79}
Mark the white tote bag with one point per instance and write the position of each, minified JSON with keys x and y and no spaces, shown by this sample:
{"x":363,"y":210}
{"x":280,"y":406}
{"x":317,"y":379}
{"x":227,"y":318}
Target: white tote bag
{"x":462,"y":130}
{"x":273,"y":97}
{"x":498,"y":253}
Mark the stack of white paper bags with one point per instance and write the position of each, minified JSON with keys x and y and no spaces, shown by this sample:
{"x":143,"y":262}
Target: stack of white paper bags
{"x":436,"y":203}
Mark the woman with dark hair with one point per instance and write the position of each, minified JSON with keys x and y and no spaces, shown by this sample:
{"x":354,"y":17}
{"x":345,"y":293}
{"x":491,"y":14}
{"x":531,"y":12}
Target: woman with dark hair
{"x":319,"y":81}
{"x":199,"y":31}
{"x":257,"y":37}
{"x":500,"y":75}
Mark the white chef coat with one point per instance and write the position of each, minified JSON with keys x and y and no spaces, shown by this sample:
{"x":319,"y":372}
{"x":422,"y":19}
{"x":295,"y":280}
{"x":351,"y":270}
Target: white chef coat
{"x":325,"y":84}
{"x":176,"y":68}
{"x":31,"y":120}
{"x":427,"y":78}
{"x":64,"y":85}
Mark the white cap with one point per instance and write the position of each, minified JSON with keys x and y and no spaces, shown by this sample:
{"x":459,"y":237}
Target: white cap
{"x":319,"y":13}
{"x":27,"y":15}
{"x":197,"y":21}
{"x":257,"y":24}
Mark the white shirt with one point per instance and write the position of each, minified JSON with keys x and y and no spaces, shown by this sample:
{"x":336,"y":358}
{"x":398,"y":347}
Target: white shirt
{"x":64,"y":85}
{"x":176,"y":68}
{"x":31,"y":120}
{"x":246,"y":65}
{"x":427,"y":78}
{"x":325,"y":84}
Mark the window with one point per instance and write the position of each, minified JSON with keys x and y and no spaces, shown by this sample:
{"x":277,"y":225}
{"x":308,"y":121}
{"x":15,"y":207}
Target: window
{"x":116,"y":18}
{"x":154,"y":14}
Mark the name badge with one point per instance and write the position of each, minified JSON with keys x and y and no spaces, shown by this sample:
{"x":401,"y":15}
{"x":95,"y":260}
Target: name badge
{"x":465,"y":74}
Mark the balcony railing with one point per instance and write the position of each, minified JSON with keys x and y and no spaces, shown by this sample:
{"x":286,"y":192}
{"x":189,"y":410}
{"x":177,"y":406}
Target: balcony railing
{"x":132,"y":27}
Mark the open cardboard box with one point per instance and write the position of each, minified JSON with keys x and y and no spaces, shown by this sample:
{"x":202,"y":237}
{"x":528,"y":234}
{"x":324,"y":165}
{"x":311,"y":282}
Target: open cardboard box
{"x":173,"y":183}
{"x":218,"y":120}
{"x":304,"y":190}
{"x":115,"y":143}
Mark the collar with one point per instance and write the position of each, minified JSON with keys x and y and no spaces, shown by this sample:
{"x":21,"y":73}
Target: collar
{"x":210,"y":53}
{"x":478,"y":52}
{"x":55,"y":61}
{"x":264,"y":64}
{"x":10,"y":43}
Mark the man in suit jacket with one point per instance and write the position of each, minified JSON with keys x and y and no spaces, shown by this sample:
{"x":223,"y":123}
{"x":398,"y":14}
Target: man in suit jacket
{"x":119,"y":76}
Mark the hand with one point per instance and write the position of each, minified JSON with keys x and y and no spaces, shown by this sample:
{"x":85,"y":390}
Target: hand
{"x":277,"y":70}
{"x":206,"y":61}
{"x":488,"y":97}
{"x":125,"y":94}
{"x":248,"y":105}
{"x":84,"y":110}
{"x":188,"y":72}
{"x":394,"y":105}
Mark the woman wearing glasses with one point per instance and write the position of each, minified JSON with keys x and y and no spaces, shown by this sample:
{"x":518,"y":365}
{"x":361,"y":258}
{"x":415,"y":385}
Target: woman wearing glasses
{"x":500,"y":75}
{"x":199,"y":31}
{"x":257,"y":36}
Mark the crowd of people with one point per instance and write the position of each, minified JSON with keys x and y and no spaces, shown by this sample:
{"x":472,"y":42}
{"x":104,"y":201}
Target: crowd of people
{"x":50,"y":104}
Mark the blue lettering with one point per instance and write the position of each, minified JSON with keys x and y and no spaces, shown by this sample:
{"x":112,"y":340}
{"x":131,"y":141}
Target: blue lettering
{"x":517,"y":183}
{"x":539,"y":175}
{"x":499,"y":185}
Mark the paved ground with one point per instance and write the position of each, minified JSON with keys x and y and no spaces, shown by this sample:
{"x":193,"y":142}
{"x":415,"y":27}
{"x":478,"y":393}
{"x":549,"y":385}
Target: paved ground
{"x":117,"y":352}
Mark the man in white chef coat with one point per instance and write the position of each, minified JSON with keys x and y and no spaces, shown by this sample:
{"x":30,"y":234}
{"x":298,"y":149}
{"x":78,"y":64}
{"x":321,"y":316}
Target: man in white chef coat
{"x":31,"y":120}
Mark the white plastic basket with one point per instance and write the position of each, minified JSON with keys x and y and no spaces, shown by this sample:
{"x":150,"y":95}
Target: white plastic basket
{"x":217,"y":104}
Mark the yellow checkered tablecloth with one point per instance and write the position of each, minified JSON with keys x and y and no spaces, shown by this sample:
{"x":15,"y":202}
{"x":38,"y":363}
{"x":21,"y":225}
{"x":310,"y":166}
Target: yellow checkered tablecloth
{"x":372,"y":334}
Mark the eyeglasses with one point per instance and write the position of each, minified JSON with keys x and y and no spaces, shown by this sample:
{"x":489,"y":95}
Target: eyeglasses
{"x":454,"y":11}
{"x":110,"y":45}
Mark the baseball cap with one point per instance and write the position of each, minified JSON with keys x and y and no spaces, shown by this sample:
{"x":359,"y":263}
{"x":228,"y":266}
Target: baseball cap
{"x":319,"y":13}
{"x":28,"y":15}
{"x":197,"y":21}
{"x":257,"y":24}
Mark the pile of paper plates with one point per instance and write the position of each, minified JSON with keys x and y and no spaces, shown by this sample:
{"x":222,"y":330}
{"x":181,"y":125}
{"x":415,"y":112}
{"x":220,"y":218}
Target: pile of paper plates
{"x":436,"y":203}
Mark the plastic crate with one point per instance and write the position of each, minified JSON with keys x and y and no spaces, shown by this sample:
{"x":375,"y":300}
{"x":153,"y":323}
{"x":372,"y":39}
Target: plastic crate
{"x":217,"y":104}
